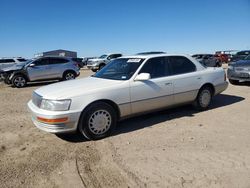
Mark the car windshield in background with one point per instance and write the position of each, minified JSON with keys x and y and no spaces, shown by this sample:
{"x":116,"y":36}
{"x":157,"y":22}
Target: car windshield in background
{"x":22,"y":60}
{"x":120,"y":69}
{"x":248,"y":57}
{"x":103,"y":56}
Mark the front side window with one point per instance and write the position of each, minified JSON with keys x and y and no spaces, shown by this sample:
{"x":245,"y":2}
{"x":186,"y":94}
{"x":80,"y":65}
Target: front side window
{"x":103,"y":56}
{"x":120,"y":69}
{"x":41,"y":62}
{"x":156,"y":67}
{"x":181,"y":65}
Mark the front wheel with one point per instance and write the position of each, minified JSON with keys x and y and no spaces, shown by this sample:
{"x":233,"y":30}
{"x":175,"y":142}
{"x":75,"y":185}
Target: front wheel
{"x":19,"y":81}
{"x":98,"y":121}
{"x":204,"y":98}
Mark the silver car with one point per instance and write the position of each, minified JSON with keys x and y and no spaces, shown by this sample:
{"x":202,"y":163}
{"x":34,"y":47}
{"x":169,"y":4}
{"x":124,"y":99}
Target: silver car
{"x":46,"y":68}
{"x":239,"y":71}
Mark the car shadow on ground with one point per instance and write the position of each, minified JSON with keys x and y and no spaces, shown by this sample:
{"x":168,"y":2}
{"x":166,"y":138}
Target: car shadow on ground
{"x":151,"y":119}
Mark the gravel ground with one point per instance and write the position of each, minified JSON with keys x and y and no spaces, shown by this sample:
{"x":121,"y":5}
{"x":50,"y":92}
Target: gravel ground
{"x":173,"y":148}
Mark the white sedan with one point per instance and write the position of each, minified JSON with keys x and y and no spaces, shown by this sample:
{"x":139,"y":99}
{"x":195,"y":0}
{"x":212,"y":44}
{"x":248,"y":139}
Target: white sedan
{"x":126,"y":87}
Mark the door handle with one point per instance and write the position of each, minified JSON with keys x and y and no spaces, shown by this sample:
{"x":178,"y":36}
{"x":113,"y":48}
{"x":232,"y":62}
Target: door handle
{"x":167,"y":84}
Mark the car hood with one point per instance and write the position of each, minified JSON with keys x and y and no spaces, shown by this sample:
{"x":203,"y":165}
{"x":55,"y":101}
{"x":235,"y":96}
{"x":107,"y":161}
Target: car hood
{"x":96,"y":60}
{"x":241,"y":63}
{"x":73,"y":88}
{"x":12,"y":68}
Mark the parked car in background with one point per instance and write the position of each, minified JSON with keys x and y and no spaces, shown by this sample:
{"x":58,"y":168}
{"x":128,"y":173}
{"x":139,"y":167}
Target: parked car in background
{"x":241,"y":55}
{"x":86,"y":59}
{"x":127,"y":86}
{"x":151,"y":53}
{"x":8,"y":62}
{"x":98,"y":63}
{"x":45,"y":68}
{"x":239,"y":71}
{"x":208,"y":60}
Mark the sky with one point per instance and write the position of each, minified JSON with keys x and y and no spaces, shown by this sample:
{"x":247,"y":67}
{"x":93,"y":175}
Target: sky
{"x":95,"y":27}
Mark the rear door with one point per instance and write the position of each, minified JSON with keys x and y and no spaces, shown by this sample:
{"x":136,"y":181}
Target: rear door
{"x":186,"y":80}
{"x":155,"y":93}
{"x":56,"y":67}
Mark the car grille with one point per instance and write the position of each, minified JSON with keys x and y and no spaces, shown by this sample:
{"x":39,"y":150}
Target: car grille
{"x":36,"y":99}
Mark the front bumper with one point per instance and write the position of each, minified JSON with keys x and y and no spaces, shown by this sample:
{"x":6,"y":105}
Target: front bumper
{"x":238,"y":75}
{"x":93,"y":67}
{"x":68,"y":126}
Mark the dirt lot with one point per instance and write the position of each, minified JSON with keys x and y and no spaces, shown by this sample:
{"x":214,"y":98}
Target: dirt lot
{"x":173,"y":148}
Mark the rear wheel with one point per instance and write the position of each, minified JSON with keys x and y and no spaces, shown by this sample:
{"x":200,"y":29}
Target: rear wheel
{"x":234,"y":82}
{"x":19,"y":81}
{"x":204,"y":98}
{"x":69,"y":75}
{"x":98,"y":121}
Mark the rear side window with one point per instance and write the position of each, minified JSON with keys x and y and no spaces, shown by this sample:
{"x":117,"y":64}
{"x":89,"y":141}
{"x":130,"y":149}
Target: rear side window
{"x":79,"y":60}
{"x":181,"y":65}
{"x":58,"y":61}
{"x":156,"y":67}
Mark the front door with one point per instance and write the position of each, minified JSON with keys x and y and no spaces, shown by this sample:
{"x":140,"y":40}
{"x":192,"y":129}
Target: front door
{"x":154,"y":93}
{"x":40,"y":70}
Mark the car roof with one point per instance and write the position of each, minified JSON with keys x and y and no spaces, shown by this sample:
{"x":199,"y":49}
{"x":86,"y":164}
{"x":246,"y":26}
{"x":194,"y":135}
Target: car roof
{"x":152,"y":56}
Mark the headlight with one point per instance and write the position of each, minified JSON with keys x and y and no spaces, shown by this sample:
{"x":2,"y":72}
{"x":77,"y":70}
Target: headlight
{"x":55,"y":105}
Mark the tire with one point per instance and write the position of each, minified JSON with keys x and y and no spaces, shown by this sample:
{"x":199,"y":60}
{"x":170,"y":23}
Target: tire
{"x":101,"y":66}
{"x":94,"y":70}
{"x":234,"y":82}
{"x":204,"y":98}
{"x":7,"y":81}
{"x":69,"y":75}
{"x":97,"y":121}
{"x":19,"y":81}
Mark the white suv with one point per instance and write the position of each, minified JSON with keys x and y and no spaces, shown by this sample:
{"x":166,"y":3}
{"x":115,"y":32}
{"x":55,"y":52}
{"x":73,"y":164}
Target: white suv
{"x":98,"y":63}
{"x":8,"y":62}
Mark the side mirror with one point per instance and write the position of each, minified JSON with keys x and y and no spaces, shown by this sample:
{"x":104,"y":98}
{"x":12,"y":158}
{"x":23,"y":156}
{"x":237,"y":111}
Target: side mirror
{"x":32,"y":65}
{"x":142,"y":77}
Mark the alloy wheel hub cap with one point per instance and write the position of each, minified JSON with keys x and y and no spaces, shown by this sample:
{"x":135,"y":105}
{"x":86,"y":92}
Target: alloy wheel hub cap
{"x":100,"y":122}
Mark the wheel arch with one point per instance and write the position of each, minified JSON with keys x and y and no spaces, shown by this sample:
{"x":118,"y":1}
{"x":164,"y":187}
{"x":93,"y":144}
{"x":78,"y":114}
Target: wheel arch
{"x":22,"y":74}
{"x":69,"y":70}
{"x":107,"y":101}
{"x":210,"y":85}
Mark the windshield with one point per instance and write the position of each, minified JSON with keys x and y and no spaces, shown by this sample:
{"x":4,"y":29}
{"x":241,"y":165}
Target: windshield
{"x":103,"y":56}
{"x":248,"y":57}
{"x":120,"y":69}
